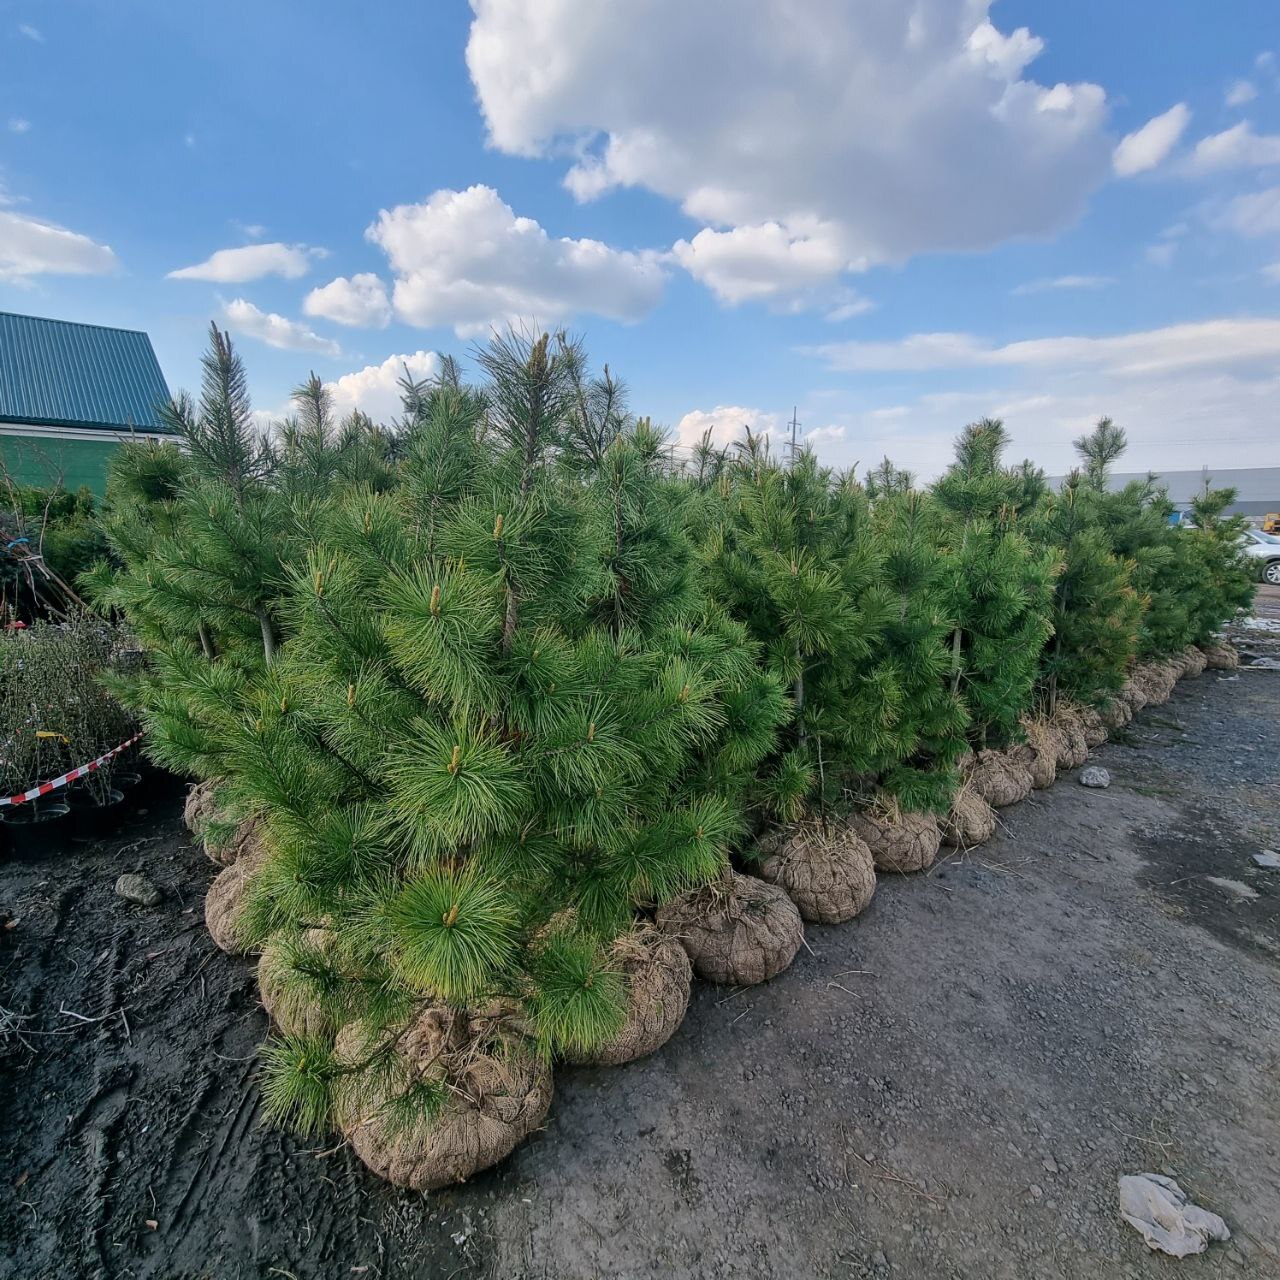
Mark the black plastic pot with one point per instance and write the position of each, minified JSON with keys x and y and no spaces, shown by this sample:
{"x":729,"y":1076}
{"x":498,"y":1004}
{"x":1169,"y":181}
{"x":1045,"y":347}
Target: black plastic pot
{"x":125,"y":779}
{"x":37,"y":828}
{"x":91,"y":817}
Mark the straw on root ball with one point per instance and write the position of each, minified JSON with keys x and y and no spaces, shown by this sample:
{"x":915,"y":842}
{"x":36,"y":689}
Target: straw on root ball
{"x":200,"y":805}
{"x":1220,"y":657}
{"x":737,"y":930}
{"x":658,"y":977}
{"x":972,"y":821}
{"x":826,"y":869}
{"x":900,"y":842}
{"x":999,"y":779}
{"x":288,"y":1003}
{"x":493,"y":1090}
{"x":228,"y":896}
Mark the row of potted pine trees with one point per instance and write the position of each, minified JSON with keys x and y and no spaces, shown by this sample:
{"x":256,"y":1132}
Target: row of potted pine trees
{"x":509,"y":721}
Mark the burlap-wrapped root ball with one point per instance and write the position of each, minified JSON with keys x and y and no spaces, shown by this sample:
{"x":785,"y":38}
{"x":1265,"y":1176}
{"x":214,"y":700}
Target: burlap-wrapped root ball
{"x":295,"y":1011}
{"x":829,"y":875}
{"x":899,"y":842}
{"x":1134,"y":694}
{"x":658,"y":977}
{"x":239,"y":844}
{"x":1092,"y":725}
{"x":737,"y":930}
{"x":228,"y":896}
{"x":1039,"y":754}
{"x":999,"y":779}
{"x":1156,"y":679}
{"x":1220,"y":657}
{"x":971,"y":822}
{"x":497,"y":1090}
{"x":1115,"y":713}
{"x":200,"y":805}
{"x":1194,"y":662}
{"x":1073,"y":750}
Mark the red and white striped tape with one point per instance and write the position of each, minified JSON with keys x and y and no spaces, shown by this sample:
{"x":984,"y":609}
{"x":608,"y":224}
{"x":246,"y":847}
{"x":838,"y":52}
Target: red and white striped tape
{"x":54,"y":783}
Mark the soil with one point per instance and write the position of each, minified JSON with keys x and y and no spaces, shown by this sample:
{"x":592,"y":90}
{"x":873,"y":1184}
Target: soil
{"x":946,"y":1087}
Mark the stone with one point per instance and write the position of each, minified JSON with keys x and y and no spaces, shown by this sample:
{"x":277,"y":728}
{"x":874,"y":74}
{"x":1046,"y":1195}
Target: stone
{"x":1095,"y":776}
{"x":1158,"y":1208}
{"x":1269,"y":859}
{"x":135,"y":888}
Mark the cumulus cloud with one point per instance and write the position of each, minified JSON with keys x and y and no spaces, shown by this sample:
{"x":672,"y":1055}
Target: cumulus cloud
{"x":251,"y":262}
{"x":32,"y":247}
{"x":763,"y":261}
{"x":32,"y":33}
{"x":1048,"y":284}
{"x":1236,"y":148}
{"x":727,"y":424}
{"x":1271,"y":273}
{"x":375,"y":389}
{"x":1211,"y":342}
{"x":812,"y":138}
{"x":463,"y":258}
{"x":19,"y":125}
{"x":360,"y":302}
{"x":275,"y":330}
{"x":1148,"y":147}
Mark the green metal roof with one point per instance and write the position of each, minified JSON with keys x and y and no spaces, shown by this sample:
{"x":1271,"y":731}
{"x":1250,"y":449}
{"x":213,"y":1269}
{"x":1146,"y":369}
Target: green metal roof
{"x":61,"y":374}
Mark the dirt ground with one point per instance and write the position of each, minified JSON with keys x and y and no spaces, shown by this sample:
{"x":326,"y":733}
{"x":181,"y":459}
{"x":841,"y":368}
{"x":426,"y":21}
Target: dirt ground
{"x":947,"y":1087}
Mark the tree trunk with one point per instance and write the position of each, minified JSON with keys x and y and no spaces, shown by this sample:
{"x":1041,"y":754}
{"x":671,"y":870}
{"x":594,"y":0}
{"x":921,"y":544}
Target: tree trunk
{"x":268,"y":637}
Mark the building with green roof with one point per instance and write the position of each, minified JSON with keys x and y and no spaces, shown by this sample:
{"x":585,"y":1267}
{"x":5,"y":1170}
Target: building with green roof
{"x":69,"y":394}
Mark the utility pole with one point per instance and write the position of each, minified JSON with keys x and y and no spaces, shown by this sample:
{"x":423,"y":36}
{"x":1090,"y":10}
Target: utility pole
{"x":795,"y":427}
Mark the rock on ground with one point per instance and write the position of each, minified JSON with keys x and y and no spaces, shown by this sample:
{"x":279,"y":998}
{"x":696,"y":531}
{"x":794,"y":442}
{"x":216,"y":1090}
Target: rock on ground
{"x":1094,"y":776}
{"x":135,"y":888}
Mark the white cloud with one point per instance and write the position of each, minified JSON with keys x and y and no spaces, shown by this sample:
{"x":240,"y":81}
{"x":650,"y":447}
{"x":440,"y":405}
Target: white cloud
{"x":1164,"y":418}
{"x":814,"y":136}
{"x":375,"y":388}
{"x":251,"y":262}
{"x":1064,"y":282}
{"x":727,"y":424}
{"x":763,"y":261}
{"x":1271,"y":274}
{"x":1161,"y":254}
{"x":1236,"y":148}
{"x":1148,"y":147}
{"x":1163,"y":386}
{"x":1178,"y":347}
{"x":1253,"y":215}
{"x":275,"y":330}
{"x":360,"y":301}
{"x":19,"y":124}
{"x":463,"y":258}
{"x":1241,"y":93}
{"x":31,"y":247}
{"x":824,"y":435}
{"x":30,"y":32}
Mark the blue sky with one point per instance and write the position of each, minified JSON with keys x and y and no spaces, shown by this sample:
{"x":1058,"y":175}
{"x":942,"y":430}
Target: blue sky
{"x":897,"y":216}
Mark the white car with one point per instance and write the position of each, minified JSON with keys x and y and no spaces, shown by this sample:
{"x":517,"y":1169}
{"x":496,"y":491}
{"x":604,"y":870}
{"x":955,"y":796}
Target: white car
{"x":1264,"y":547}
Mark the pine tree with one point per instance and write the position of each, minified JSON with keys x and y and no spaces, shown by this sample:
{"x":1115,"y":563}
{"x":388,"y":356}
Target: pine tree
{"x":1096,"y":611}
{"x":999,"y":585}
{"x":498,"y":717}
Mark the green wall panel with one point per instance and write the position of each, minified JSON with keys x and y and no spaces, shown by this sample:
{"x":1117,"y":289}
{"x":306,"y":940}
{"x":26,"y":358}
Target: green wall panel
{"x":32,"y":460}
